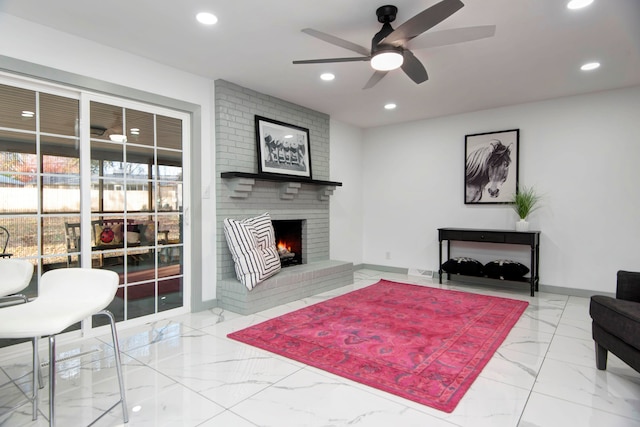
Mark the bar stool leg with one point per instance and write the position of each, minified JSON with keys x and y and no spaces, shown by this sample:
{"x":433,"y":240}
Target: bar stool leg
{"x":36,"y":362}
{"x":52,"y":379}
{"x":37,"y":379}
{"x":116,"y":352}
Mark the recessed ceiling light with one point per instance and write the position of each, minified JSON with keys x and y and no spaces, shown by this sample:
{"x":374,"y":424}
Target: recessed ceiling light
{"x":390,"y":106}
{"x":28,"y":114}
{"x":206,"y":18}
{"x":578,"y":4}
{"x":115,"y":137}
{"x":327,"y":77}
{"x":134,"y":131}
{"x":590,"y":66}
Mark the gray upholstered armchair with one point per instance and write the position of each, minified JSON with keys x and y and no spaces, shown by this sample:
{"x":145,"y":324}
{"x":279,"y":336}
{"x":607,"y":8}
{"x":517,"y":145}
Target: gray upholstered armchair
{"x":616,"y":322}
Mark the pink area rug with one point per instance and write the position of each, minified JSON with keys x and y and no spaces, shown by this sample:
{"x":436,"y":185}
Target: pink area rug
{"x":424,"y":344}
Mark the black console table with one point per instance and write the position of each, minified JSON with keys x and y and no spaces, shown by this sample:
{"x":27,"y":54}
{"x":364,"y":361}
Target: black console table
{"x":512,"y":237}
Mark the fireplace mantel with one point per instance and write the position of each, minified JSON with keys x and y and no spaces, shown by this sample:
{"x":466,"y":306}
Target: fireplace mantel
{"x":241,"y":184}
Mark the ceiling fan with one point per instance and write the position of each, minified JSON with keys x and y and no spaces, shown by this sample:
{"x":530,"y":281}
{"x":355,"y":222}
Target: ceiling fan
{"x":389,"y":47}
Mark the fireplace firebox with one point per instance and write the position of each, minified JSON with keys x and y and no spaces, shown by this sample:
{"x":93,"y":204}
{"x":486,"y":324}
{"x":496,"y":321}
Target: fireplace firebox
{"x":289,"y":241}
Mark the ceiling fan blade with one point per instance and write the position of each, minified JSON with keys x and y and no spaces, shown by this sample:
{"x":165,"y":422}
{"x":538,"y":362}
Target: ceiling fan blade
{"x":423,"y":21}
{"x":337,"y":41}
{"x":328,"y":60}
{"x":375,"y":78}
{"x":456,"y":35}
{"x":414,"y":68}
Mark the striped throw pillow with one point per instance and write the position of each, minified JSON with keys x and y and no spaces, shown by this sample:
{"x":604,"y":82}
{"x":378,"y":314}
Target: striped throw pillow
{"x":254,"y":256}
{"x":263,"y":230}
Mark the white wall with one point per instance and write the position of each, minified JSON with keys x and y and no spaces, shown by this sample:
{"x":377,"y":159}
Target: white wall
{"x":581,"y":152}
{"x":44,"y":46}
{"x":346,"y":203}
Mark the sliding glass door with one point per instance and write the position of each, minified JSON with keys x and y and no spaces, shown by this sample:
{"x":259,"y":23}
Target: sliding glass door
{"x":39,"y":174}
{"x":98,"y":182}
{"x":137,"y":205}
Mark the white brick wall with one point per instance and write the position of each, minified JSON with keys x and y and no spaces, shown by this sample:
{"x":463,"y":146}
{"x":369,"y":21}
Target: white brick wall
{"x":235,"y":110}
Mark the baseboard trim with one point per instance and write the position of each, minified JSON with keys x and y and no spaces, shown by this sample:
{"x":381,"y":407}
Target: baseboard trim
{"x":572,"y":292}
{"x":385,"y":268}
{"x":197,"y":306}
{"x":560,"y":290}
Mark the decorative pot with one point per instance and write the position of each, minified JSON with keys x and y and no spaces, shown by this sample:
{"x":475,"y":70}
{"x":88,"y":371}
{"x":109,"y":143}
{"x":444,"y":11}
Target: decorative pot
{"x":522,"y":225}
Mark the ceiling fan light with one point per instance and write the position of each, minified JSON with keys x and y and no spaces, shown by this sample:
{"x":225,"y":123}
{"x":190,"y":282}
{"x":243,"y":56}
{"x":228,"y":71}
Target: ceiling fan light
{"x":387,"y":60}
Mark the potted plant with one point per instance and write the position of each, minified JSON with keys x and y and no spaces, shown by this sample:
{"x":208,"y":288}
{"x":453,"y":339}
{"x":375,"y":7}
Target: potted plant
{"x":525,"y":201}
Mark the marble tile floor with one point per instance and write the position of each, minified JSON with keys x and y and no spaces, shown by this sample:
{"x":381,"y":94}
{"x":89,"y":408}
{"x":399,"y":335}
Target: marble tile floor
{"x":183,"y":371}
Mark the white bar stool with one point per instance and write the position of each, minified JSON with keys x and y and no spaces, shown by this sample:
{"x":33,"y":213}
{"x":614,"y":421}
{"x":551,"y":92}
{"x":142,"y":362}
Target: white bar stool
{"x":15,"y":275}
{"x":66,"y":296}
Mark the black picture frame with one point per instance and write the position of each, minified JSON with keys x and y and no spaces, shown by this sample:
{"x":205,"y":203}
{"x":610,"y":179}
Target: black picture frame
{"x":486,"y":155}
{"x":283,"y":149}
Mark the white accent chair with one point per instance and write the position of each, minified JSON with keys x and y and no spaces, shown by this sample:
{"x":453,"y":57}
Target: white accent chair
{"x":66,"y":296}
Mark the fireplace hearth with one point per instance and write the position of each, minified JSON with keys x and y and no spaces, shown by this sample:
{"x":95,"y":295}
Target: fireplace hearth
{"x":289,"y":241}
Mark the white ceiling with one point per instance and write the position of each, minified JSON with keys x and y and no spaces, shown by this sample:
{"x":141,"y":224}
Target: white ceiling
{"x":534,"y":55}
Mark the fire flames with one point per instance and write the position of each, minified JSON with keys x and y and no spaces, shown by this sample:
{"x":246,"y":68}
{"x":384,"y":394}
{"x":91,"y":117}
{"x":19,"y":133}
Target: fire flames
{"x":283,"y":247}
{"x":284,"y":250}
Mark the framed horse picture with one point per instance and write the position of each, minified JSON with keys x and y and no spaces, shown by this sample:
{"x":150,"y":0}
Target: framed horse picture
{"x":491,"y":167}
{"x":283,"y":149}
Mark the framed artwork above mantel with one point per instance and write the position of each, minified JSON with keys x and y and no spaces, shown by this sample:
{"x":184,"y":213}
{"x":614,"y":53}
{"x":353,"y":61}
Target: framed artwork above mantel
{"x":491,"y":167}
{"x":283,"y":149}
